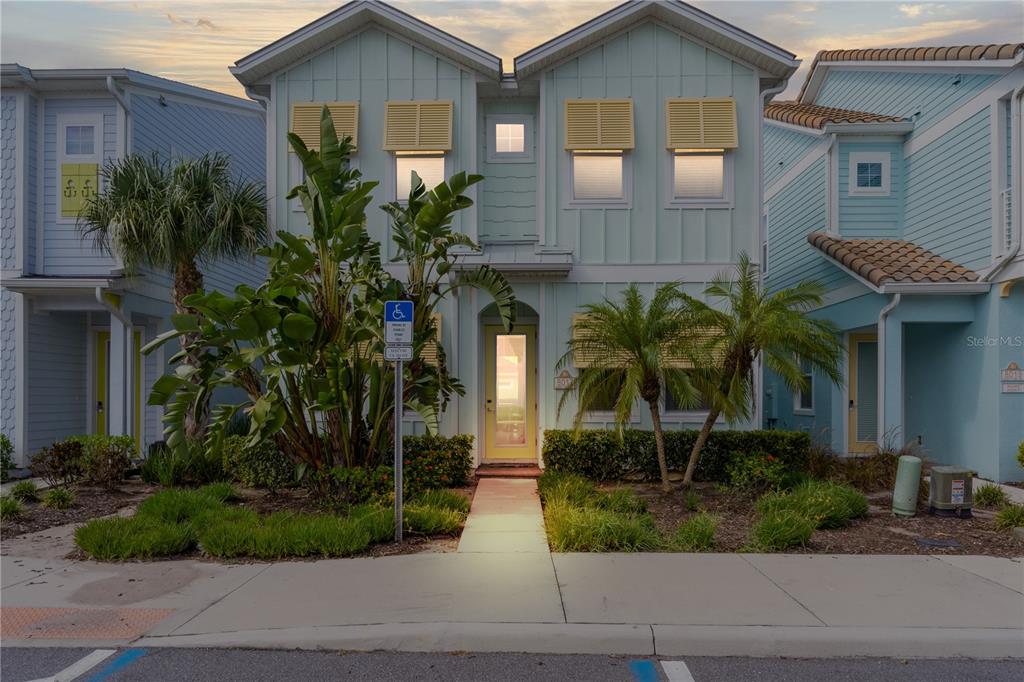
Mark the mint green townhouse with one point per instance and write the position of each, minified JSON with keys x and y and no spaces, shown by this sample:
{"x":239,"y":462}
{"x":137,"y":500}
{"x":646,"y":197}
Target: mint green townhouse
{"x":895,"y":179}
{"x":627,"y":149}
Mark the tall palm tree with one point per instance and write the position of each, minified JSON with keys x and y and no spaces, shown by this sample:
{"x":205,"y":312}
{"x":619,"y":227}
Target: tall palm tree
{"x":175,"y":216}
{"x":752,"y":324}
{"x":633,"y":350}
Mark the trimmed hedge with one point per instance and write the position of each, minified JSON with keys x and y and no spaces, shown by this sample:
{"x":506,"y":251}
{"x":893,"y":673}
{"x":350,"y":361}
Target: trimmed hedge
{"x":600,"y":455}
{"x":436,"y":462}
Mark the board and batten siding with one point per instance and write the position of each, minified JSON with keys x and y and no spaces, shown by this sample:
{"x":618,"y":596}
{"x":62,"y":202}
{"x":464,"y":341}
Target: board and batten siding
{"x":56,"y":377}
{"x":182,"y":129}
{"x":865,"y":216}
{"x":783,"y":148}
{"x":905,"y":94}
{"x":64,"y":250}
{"x":371,"y":67}
{"x":508,"y":193}
{"x":796,"y":211}
{"x":31,"y":180}
{"x":650,"y":64}
{"x":948,"y":194}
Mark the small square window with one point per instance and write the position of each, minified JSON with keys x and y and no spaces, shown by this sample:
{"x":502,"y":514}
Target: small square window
{"x":699,"y":175}
{"x":803,"y":401}
{"x":597,"y":176}
{"x":78,"y":141}
{"x":430,"y":168}
{"x":510,"y":138}
{"x":869,"y":174}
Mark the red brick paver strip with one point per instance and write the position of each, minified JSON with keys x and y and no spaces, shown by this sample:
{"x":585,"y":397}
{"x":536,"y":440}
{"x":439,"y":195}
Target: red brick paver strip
{"x":67,"y":623}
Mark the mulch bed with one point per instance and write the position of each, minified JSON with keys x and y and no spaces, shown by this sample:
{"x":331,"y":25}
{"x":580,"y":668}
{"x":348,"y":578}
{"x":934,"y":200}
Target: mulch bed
{"x":90,"y":502}
{"x":880,"y":532}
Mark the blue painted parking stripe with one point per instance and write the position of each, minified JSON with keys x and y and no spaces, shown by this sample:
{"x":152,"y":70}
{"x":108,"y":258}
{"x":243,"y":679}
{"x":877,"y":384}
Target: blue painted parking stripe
{"x":644,"y":671}
{"x":122,"y":661}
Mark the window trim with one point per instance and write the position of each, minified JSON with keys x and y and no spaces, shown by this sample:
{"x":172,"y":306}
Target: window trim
{"x":798,"y":394}
{"x":64,"y":121}
{"x":727,"y":200}
{"x":493,"y":155}
{"x":884,"y":158}
{"x":626,"y":201}
{"x":392,"y":182}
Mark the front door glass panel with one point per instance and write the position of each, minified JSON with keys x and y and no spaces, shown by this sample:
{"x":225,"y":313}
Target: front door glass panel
{"x":510,"y":390}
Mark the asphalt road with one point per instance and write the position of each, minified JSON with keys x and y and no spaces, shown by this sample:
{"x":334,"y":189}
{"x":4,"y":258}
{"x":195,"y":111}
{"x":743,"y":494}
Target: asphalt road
{"x":169,"y":665}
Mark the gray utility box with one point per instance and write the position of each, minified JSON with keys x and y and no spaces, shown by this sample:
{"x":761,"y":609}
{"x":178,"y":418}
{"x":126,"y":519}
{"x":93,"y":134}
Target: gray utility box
{"x":951,"y":492}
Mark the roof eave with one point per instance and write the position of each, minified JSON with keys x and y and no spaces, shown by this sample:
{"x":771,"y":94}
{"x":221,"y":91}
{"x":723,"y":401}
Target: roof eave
{"x":924,"y":288}
{"x":869,"y":128}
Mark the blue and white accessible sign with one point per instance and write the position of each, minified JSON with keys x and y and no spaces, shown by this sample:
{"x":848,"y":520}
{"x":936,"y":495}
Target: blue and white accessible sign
{"x":398,"y":322}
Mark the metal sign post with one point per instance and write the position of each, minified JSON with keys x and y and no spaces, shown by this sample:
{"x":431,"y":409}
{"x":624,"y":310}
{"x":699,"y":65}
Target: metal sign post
{"x":398,"y":348}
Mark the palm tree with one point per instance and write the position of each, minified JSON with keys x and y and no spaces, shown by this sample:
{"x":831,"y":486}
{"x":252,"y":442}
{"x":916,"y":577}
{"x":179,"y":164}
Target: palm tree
{"x":752,"y":324}
{"x":174,"y":216}
{"x":634,"y":350}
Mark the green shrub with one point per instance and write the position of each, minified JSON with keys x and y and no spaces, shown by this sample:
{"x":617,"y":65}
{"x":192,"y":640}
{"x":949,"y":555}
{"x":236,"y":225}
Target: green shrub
{"x":61,"y":464}
{"x":443,"y":499}
{"x":342,"y":487}
{"x":825,"y":503}
{"x":621,"y":500}
{"x":691,"y":500}
{"x":238,"y":533}
{"x":1009,"y":517}
{"x":697,"y":534}
{"x":10,"y":508}
{"x":59,"y":498}
{"x":424,"y":520}
{"x":203,"y":466}
{"x":25,"y":491}
{"x":118,"y":538}
{"x":257,"y":466}
{"x":756,"y":471}
{"x":6,"y":457}
{"x":780,"y":530}
{"x":105,"y":459}
{"x":164,"y":466}
{"x":1020,"y":454}
{"x":586,"y":529}
{"x":436,"y":462}
{"x":557,"y":487}
{"x":601,"y":455}
{"x":176,"y":505}
{"x":990,"y":496}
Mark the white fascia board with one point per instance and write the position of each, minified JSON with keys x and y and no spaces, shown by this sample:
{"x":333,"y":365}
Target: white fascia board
{"x":945,"y":288}
{"x":794,"y":127}
{"x":870,"y":128}
{"x":23,"y":284}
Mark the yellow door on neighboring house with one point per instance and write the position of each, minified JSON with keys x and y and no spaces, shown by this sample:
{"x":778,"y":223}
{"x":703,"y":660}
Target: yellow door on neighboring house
{"x":510,"y":366}
{"x":102,"y":380}
{"x":862,"y":422}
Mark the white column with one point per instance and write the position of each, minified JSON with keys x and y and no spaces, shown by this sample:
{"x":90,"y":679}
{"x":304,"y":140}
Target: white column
{"x":119,"y":372}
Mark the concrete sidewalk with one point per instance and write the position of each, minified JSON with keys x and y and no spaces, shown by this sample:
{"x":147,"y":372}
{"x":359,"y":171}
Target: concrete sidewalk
{"x":525,"y":599}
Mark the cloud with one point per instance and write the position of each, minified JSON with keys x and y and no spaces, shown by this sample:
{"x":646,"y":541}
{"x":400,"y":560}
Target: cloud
{"x":203,"y":22}
{"x":912,"y":10}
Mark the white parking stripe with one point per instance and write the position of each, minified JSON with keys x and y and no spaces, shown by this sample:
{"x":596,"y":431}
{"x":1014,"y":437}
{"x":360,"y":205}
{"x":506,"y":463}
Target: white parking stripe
{"x":79,"y":667}
{"x":676,"y":671}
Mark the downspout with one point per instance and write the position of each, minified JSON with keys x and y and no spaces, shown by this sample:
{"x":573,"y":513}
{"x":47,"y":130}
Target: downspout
{"x":1016,"y":192}
{"x":833,"y":186}
{"x":882,"y":315}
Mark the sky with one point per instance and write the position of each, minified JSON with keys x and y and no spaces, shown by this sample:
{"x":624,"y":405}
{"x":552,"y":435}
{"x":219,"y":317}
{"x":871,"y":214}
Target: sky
{"x":195,"y":42}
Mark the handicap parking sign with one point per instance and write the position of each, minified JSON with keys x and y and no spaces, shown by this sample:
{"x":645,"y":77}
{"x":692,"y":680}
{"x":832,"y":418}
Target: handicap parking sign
{"x":398,"y":311}
{"x":398,"y":322}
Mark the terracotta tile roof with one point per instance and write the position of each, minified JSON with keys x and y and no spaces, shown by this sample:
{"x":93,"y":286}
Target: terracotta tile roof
{"x":956,"y":53}
{"x":882,"y":261}
{"x":814,"y":116}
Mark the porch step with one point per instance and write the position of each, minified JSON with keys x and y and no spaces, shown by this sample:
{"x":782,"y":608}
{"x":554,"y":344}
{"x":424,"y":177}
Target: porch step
{"x":508,"y":471}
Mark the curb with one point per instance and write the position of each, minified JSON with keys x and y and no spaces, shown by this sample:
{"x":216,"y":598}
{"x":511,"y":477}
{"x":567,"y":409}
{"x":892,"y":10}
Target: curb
{"x":661,"y":640}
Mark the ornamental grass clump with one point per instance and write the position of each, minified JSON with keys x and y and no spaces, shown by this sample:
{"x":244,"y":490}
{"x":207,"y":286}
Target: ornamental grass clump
{"x":10,"y":508}
{"x":177,"y":505}
{"x":443,"y":499}
{"x":825,"y":503}
{"x":422,"y":519}
{"x":1009,"y":517}
{"x":990,"y":496}
{"x":555,"y":487}
{"x":117,"y":539}
{"x":586,"y":529}
{"x":779,"y":530}
{"x":621,"y":500}
{"x":25,"y":491}
{"x":59,"y":498}
{"x":240,"y":533}
{"x":697,"y":533}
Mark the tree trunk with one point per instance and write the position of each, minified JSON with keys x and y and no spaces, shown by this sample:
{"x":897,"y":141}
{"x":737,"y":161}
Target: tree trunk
{"x":659,"y":442}
{"x":188,"y":280}
{"x":702,"y":438}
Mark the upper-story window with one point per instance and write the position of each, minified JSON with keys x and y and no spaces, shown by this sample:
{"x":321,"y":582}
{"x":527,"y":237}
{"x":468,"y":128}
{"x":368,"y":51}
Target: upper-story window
{"x":700,"y":134}
{"x":305,"y":122}
{"x":803,"y":399}
{"x":80,"y":153}
{"x":509,"y":138}
{"x":598,"y":138}
{"x":419,"y":135}
{"x":869,"y":173}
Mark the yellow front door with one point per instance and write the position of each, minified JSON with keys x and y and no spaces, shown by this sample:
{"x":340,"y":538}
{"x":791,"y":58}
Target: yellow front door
{"x":102,"y":377}
{"x":510,"y":393}
{"x":862,"y":421}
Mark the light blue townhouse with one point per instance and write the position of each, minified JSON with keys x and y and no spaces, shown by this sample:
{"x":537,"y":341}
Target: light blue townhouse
{"x":72,"y":322}
{"x":625,"y":150}
{"x":895,"y":180}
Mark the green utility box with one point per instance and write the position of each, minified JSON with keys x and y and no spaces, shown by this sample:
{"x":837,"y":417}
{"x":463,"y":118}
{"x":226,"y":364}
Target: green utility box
{"x":951,"y":492}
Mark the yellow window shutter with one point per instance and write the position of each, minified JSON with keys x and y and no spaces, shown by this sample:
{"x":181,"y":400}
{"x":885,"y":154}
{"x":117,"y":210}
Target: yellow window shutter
{"x":305,"y":121}
{"x":418,"y":125}
{"x":79,"y":182}
{"x":584,"y":358}
{"x":707,"y":122}
{"x":599,"y":124}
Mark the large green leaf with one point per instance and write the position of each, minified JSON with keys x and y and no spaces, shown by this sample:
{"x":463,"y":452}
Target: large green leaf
{"x":298,"y":326}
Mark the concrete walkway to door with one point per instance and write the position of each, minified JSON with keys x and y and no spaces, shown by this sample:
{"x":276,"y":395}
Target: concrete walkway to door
{"x":505,"y":517}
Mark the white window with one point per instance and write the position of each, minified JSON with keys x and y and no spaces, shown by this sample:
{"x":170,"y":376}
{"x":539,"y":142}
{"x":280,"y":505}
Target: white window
{"x":428,"y":165}
{"x":509,"y":138}
{"x":599,"y":177}
{"x":869,"y":173}
{"x":803,"y":400}
{"x":701,"y":177}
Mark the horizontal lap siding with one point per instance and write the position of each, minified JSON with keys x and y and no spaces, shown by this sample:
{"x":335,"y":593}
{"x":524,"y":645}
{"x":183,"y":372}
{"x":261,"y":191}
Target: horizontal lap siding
{"x":650,"y":64}
{"x":948,"y":203}
{"x":508,"y":194}
{"x":782,"y":149}
{"x":901,"y":94}
{"x":57,"y":368}
{"x":65,"y":252}
{"x":865,"y":216}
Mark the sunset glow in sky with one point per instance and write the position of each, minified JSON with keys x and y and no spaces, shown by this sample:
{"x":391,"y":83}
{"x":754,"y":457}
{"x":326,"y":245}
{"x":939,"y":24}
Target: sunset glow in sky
{"x":195,"y":42}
